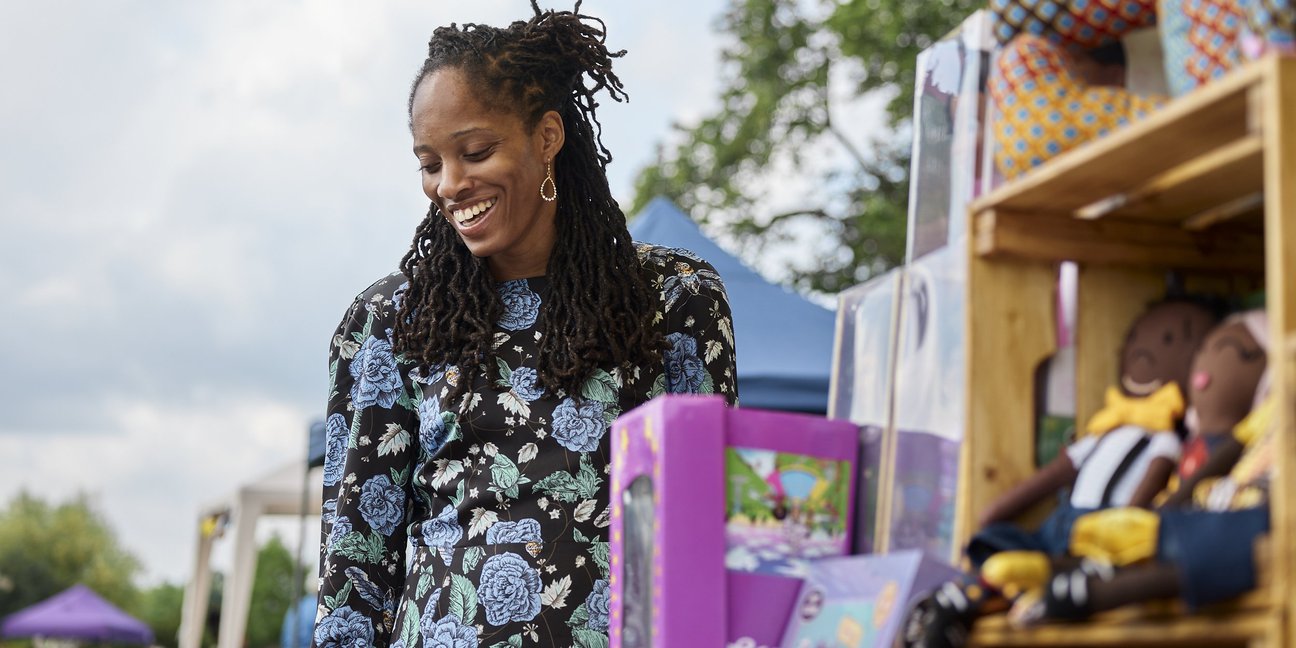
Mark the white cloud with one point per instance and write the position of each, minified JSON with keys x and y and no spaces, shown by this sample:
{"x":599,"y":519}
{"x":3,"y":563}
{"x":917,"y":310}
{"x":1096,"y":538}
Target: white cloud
{"x":194,"y":192}
{"x":168,"y":460}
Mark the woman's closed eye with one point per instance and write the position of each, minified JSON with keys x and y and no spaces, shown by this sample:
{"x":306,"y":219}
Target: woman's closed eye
{"x":479,"y":155}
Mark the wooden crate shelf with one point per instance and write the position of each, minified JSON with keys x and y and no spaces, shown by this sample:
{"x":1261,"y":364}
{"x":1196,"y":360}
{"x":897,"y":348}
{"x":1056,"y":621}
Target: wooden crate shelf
{"x":1205,"y":187}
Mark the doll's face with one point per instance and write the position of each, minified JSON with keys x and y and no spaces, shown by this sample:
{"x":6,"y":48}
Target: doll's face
{"x":1160,"y":345}
{"x":1225,"y":374}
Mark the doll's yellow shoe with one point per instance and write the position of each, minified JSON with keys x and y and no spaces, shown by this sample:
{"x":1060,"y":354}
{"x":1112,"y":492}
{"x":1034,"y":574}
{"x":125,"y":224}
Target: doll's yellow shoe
{"x":1014,"y":572}
{"x":1118,"y":536}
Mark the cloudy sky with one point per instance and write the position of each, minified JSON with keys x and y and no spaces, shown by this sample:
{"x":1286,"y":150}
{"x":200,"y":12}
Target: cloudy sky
{"x":191,"y":194}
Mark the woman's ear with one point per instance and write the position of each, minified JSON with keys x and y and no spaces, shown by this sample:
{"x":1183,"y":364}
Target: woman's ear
{"x":550,"y":134}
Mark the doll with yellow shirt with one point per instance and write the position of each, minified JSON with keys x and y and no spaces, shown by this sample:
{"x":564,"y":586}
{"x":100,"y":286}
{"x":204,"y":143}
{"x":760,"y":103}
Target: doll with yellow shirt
{"x":1129,"y":451}
{"x":1199,"y":546}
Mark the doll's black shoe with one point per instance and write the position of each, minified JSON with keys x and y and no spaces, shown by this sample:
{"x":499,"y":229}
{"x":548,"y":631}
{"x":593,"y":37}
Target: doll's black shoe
{"x":1066,"y":596}
{"x":943,"y":619}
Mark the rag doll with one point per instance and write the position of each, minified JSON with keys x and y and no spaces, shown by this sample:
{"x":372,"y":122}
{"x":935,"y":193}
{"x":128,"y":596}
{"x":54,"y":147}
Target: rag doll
{"x":1204,"y":553}
{"x":1125,"y":459}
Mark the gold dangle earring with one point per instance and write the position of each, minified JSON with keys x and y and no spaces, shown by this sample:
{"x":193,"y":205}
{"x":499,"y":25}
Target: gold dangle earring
{"x":548,"y":180}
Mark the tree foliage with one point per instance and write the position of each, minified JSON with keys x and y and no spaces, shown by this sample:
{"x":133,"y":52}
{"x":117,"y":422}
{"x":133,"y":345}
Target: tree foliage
{"x":776,"y":104}
{"x":160,"y":607}
{"x":273,"y":590}
{"x":45,"y":549}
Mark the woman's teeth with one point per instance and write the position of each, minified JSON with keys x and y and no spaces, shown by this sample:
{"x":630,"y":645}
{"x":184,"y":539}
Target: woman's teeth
{"x":468,"y":214}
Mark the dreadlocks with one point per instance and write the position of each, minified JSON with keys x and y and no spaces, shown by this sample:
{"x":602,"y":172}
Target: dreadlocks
{"x":599,"y":310}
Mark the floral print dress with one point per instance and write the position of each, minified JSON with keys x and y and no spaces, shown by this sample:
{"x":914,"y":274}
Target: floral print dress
{"x":485,"y":524}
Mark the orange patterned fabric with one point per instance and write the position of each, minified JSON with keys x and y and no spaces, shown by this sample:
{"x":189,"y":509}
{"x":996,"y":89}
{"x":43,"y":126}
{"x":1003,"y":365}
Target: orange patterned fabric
{"x":1212,"y":38}
{"x":1044,"y":109}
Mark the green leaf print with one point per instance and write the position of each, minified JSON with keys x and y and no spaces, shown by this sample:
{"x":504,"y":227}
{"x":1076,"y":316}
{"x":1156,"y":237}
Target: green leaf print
{"x":472,"y":556}
{"x":334,"y":602}
{"x":601,"y":552}
{"x":360,"y":548}
{"x":424,"y":584}
{"x":512,"y":642}
{"x":708,"y":384}
{"x":410,"y":627}
{"x":577,"y":536}
{"x":659,"y":387}
{"x":399,"y":478}
{"x":505,"y":372}
{"x":587,"y":638}
{"x":505,"y":476}
{"x":458,"y":496}
{"x":407,"y":402}
{"x":463,"y":599}
{"x":560,"y":486}
{"x":600,"y":386}
{"x":579,"y":617}
{"x":353,"y":441}
{"x":588,"y":478}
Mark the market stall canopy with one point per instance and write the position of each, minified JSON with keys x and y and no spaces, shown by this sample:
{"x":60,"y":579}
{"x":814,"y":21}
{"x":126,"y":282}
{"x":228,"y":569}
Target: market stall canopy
{"x":784,"y":341}
{"x":77,"y":613}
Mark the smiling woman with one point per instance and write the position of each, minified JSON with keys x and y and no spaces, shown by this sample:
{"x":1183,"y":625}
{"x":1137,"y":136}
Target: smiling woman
{"x":472,"y":391}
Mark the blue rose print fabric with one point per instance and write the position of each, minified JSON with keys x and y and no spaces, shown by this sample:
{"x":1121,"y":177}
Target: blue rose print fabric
{"x":483,"y":523}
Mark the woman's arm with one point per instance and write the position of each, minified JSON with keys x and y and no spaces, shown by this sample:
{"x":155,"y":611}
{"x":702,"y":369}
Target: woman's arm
{"x":700,"y":357}
{"x":372,"y":437}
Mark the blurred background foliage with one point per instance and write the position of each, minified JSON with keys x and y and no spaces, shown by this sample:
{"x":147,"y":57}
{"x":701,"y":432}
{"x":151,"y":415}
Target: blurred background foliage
{"x":46,"y":548}
{"x":776,"y":104}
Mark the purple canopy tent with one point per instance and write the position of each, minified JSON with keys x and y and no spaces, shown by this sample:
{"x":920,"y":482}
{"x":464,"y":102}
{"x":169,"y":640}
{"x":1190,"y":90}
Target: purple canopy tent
{"x":76,"y":613}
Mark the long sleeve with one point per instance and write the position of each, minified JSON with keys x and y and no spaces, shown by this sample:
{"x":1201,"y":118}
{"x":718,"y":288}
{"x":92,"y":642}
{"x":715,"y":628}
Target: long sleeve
{"x":372,"y":429}
{"x":700,"y":357}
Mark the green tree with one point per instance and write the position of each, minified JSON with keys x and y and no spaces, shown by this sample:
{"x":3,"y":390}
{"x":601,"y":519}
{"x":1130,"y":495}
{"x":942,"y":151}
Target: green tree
{"x":776,"y":104}
{"x":160,"y":607}
{"x":45,"y":549}
{"x":273,"y":588}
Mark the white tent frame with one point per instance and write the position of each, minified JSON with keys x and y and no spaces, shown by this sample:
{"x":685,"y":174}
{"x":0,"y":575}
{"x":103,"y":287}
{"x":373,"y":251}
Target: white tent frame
{"x":288,"y":490}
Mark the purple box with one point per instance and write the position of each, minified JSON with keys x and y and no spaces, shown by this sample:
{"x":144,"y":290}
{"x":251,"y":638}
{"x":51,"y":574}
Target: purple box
{"x":759,"y":605}
{"x":858,"y":601}
{"x":673,"y":489}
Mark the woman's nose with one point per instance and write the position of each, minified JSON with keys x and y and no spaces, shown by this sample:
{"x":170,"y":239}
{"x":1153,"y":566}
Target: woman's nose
{"x":453,"y":181}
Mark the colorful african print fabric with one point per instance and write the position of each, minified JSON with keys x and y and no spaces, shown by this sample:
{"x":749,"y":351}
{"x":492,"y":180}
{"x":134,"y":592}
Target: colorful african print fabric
{"x":1044,"y":110}
{"x":1084,"y":23}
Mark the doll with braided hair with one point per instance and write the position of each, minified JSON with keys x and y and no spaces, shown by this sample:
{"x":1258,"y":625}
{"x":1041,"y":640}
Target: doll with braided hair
{"x":472,"y":391}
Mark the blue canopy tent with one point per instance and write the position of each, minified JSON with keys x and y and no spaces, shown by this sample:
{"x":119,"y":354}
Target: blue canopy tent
{"x":784,"y":342}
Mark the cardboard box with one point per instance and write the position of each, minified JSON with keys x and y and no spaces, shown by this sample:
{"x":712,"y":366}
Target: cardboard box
{"x":859,"y":601}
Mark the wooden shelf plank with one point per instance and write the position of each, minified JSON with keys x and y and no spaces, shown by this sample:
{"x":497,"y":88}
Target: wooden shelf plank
{"x":1205,"y":183}
{"x":1160,"y":623}
{"x":1110,"y":241}
{"x":1280,"y":239}
{"x":1185,"y":129}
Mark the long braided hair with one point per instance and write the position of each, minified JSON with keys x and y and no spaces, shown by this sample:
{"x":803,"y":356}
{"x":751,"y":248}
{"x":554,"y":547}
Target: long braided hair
{"x":601,"y":303}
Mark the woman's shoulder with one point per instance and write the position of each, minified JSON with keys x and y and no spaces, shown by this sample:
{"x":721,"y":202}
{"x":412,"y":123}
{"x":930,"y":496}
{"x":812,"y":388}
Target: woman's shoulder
{"x":389,"y":288}
{"x":669,"y":261}
{"x":382,"y":298}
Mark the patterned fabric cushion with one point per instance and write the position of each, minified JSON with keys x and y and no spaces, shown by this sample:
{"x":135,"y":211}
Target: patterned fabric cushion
{"x":1044,"y":109}
{"x":1085,"y":23}
{"x":1201,"y":38}
{"x":1274,"y":21}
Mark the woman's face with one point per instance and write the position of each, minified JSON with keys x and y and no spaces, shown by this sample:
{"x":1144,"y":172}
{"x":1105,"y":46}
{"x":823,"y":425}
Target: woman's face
{"x":483,"y":170}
